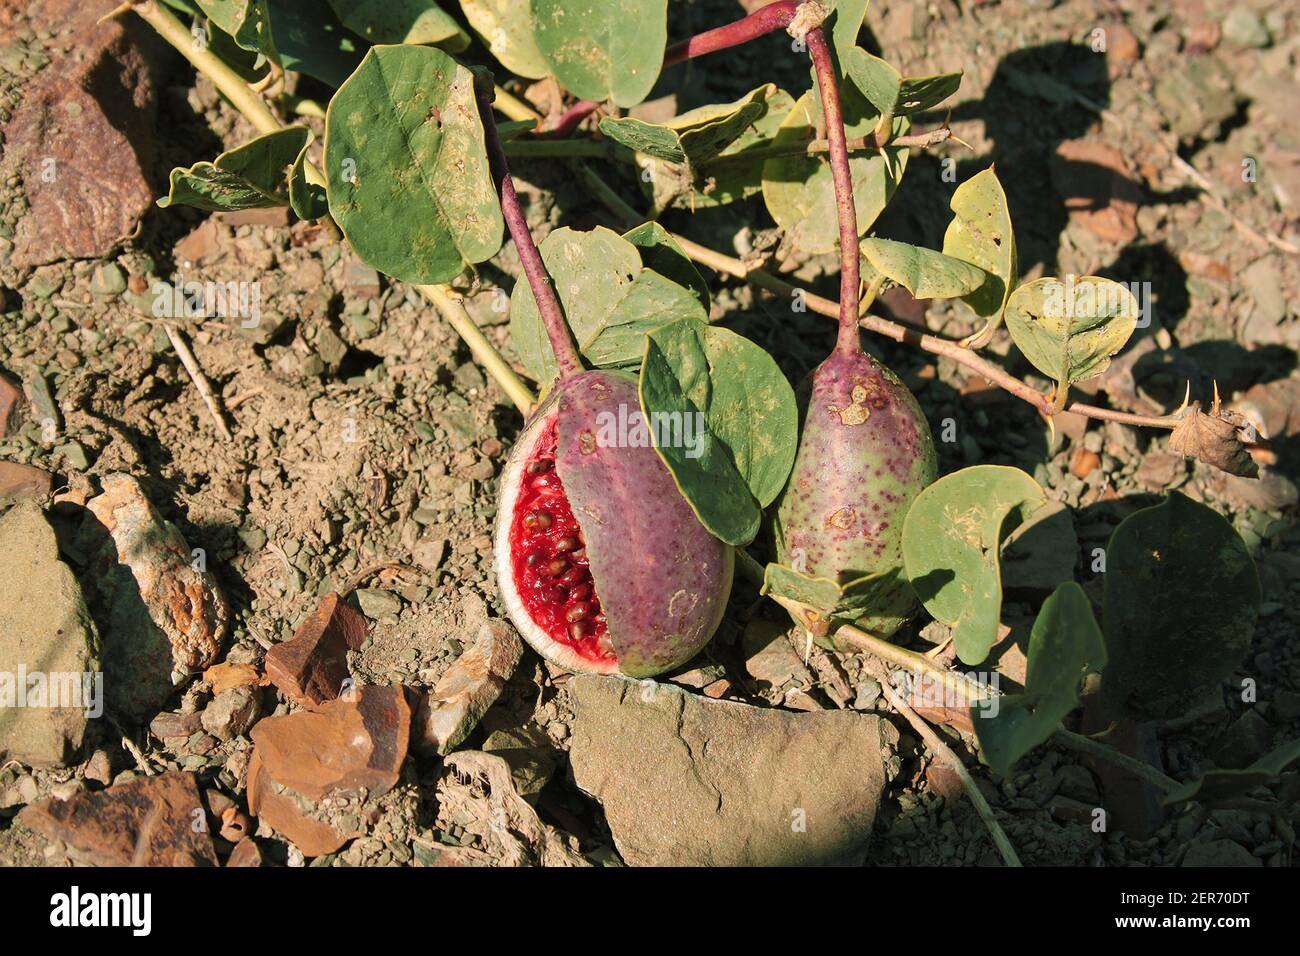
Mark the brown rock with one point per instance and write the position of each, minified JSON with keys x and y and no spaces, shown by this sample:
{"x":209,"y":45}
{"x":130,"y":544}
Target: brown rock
{"x":445,"y":716}
{"x":1093,"y":178}
{"x":685,"y":780}
{"x":165,"y":617}
{"x":311,"y":666}
{"x":82,"y":137}
{"x":201,"y":244}
{"x":230,"y":674}
{"x":276,"y":216}
{"x":168,"y":724}
{"x":1121,"y":44}
{"x":341,"y":748}
{"x":144,"y":822}
{"x":1159,"y":469}
{"x":24,"y":481}
{"x":245,"y":853}
{"x":232,"y":712}
{"x":1083,"y":461}
{"x":11,"y":405}
{"x":1204,"y":36}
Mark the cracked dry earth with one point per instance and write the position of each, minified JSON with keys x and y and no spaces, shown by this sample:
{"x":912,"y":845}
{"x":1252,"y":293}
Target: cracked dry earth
{"x":367,"y":705}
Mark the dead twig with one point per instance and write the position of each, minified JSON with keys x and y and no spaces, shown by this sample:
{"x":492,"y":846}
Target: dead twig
{"x":944,"y":753}
{"x":198,"y":378}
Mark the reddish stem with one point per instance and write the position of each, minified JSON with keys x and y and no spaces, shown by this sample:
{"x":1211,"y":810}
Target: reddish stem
{"x":548,"y":304}
{"x":837,"y":146}
{"x":773,"y":17}
{"x":570,"y":119}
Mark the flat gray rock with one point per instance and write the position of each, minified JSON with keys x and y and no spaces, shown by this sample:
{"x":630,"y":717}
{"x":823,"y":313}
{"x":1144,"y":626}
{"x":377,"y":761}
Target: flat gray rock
{"x":689,"y":781}
{"x":48,"y":639}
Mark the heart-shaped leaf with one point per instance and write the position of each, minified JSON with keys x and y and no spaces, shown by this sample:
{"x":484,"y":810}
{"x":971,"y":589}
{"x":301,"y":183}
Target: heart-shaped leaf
{"x":506,"y":26}
{"x":952,"y":538}
{"x":696,"y":136}
{"x":1065,"y":643}
{"x":980,"y":233}
{"x":610,"y":299}
{"x":1182,"y":599}
{"x":845,"y":18}
{"x":408,"y":173}
{"x":725,"y":419}
{"x":1217,"y":785}
{"x":923,"y":272}
{"x":799,"y":190}
{"x":247,"y":22}
{"x":310,"y":39}
{"x":1069,"y":328}
{"x":401,"y":21}
{"x":611,"y":50}
{"x":255,"y":175}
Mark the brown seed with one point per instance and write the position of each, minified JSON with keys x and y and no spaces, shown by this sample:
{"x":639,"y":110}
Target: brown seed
{"x":539,"y":466}
{"x":567,"y":543}
{"x":580,"y":629}
{"x":579,"y":555}
{"x":582,"y":592}
{"x":533,"y":558}
{"x":556,"y":567}
{"x":537,"y":521}
{"x":577,"y":612}
{"x":573,"y":577}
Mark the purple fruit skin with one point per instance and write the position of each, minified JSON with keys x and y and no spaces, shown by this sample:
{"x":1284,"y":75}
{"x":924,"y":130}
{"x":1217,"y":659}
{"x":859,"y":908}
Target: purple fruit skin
{"x":865,"y":452}
{"x":663,"y":580}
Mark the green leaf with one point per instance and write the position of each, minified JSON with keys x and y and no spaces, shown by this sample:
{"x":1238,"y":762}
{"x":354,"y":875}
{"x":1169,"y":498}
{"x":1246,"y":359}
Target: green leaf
{"x":835,"y":601}
{"x":741,"y":412}
{"x":506,"y":26}
{"x":847,"y":17}
{"x":660,"y":252}
{"x":921,"y":93}
{"x":891,"y":94}
{"x":603,"y":49}
{"x":952,"y":537}
{"x":1070,"y":328}
{"x":732,"y":175}
{"x":307,"y":199}
{"x":696,"y":136}
{"x":980,"y":233}
{"x":799,"y":190}
{"x":401,"y":21}
{"x":610,"y":299}
{"x":1218,"y":785}
{"x":248,"y":22}
{"x":310,"y":39}
{"x":875,"y":79}
{"x":408,"y":173}
{"x":252,"y":176}
{"x":923,"y":272}
{"x":1182,"y":599}
{"x":1065,"y":643}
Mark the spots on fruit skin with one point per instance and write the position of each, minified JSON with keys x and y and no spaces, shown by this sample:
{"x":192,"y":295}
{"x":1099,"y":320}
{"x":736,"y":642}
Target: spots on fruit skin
{"x":586,"y":441}
{"x":850,"y":486}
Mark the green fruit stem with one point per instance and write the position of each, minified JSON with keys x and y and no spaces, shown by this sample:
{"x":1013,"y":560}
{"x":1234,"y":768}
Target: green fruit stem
{"x":548,"y":303}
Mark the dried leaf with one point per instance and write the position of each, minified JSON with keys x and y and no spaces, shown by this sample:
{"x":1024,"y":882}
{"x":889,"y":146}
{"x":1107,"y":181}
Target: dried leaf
{"x":1212,"y":437}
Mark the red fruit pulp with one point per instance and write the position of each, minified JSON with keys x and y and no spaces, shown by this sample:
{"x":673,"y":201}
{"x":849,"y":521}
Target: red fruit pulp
{"x":548,"y":559}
